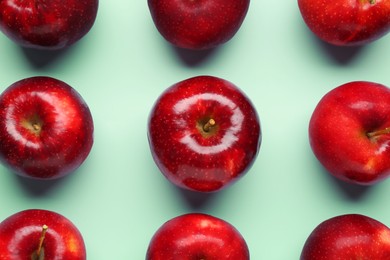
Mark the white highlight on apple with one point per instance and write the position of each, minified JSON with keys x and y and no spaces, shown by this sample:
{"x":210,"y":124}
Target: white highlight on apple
{"x":28,"y":230}
{"x":229,"y":137}
{"x":188,"y":241}
{"x":11,"y":129}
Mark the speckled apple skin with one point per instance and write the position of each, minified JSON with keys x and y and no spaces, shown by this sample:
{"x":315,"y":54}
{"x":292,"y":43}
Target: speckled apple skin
{"x":47,"y":24}
{"x":338,"y":132}
{"x":184,"y":154}
{"x":350,"y":236}
{"x":20,"y":233}
{"x":66,"y":137}
{"x":345,"y":22}
{"x":198,"y":25}
{"x":197,"y":236}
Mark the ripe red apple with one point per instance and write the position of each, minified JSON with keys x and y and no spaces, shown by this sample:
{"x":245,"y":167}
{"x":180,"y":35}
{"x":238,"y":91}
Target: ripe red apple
{"x":197,"y":236}
{"x":204,"y":133}
{"x":198,"y":25}
{"x":350,"y":236}
{"x":47,"y":24}
{"x":46,"y":128}
{"x":349,"y":132}
{"x":345,"y":22}
{"x":38,"y":234}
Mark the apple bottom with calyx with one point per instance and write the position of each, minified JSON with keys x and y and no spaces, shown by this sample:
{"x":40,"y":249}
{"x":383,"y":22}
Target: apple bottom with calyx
{"x":197,"y":236}
{"x":350,"y":236}
{"x":37,"y":234}
{"x":204,"y":133}
{"x":46,"y":128}
{"x":349,"y":132}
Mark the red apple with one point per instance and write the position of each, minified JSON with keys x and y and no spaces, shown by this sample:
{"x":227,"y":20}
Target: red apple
{"x":37,"y":234}
{"x":46,"y":128}
{"x":350,"y":236}
{"x":198,"y":25}
{"x":197,"y":236}
{"x":47,"y":24}
{"x":349,"y":132}
{"x":345,"y":22}
{"x":204,"y":133}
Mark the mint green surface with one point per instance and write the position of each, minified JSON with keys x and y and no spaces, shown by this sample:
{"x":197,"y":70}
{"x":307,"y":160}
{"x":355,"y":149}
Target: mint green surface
{"x":118,"y":198}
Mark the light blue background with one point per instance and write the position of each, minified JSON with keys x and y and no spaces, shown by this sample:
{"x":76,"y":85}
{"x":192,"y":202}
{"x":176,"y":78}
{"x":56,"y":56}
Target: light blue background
{"x":118,"y":198}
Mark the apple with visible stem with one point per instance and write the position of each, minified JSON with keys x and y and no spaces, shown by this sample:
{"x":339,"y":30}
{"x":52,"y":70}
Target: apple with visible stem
{"x":204,"y":133}
{"x":37,"y":234}
{"x":345,"y":22}
{"x":47,"y":24}
{"x":349,"y":132}
{"x":197,"y":236}
{"x":46,"y":128}
{"x":198,"y":25}
{"x":350,"y":236}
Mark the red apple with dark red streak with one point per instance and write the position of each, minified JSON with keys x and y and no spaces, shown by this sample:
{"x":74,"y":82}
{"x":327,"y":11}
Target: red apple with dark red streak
{"x":46,"y":128}
{"x":350,"y":236}
{"x":204,"y":133}
{"x":345,"y":22}
{"x":38,"y":234}
{"x":198,"y":25}
{"x":47,"y":24}
{"x":349,"y":132}
{"x":197,"y":236}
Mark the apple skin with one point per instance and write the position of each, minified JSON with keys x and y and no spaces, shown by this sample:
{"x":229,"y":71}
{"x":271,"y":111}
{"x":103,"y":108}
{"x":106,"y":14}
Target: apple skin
{"x":189,"y":156}
{"x":198,"y":25}
{"x":46,"y":128}
{"x":47,"y":24}
{"x":197,"y":236}
{"x":341,"y":132}
{"x":345,"y":22}
{"x":350,"y":236}
{"x":20,"y":234}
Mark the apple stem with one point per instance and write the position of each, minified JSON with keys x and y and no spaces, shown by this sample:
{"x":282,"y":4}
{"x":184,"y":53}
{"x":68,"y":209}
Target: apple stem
{"x":379,"y":132}
{"x":41,"y":239}
{"x":372,"y":1}
{"x":36,"y":127}
{"x":208,"y":125}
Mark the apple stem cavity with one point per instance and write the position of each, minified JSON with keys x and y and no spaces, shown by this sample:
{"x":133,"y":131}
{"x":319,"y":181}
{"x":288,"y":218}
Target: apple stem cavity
{"x":41,"y":239}
{"x":371,"y":2}
{"x":33,"y":124}
{"x":376,"y":133}
{"x":209,"y":125}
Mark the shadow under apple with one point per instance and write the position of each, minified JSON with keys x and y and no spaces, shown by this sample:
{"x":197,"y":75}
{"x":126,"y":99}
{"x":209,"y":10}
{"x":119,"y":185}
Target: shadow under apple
{"x":352,"y":192}
{"x":193,"y":58}
{"x":40,"y":188}
{"x":43,"y":58}
{"x":197,"y":200}
{"x":343,"y":55}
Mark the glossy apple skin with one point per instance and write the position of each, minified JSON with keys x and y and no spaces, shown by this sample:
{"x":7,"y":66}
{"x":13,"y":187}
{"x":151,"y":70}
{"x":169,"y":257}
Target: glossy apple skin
{"x":192,"y":158}
{"x":350,"y":236}
{"x":345,"y":22}
{"x":65,"y":135}
{"x":197,"y":236}
{"x":339,"y":127}
{"x":20,"y":234}
{"x":198,"y":25}
{"x":47,"y":24}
